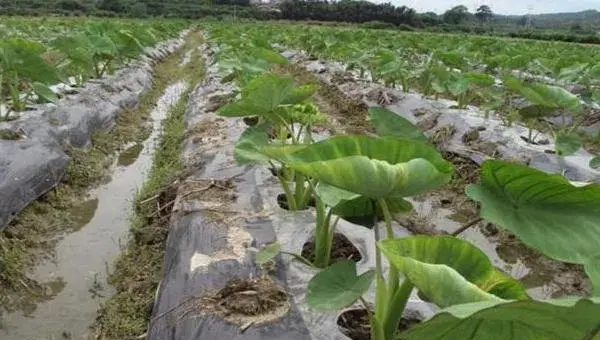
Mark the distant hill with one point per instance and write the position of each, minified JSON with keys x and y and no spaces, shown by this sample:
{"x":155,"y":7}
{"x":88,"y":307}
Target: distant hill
{"x":560,"y":20}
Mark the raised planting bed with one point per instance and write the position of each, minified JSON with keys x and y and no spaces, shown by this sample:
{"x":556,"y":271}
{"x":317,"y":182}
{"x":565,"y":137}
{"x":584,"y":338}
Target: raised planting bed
{"x":223,"y":215}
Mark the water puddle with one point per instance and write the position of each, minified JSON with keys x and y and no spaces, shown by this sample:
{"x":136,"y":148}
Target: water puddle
{"x":130,"y":155}
{"x":84,"y":257}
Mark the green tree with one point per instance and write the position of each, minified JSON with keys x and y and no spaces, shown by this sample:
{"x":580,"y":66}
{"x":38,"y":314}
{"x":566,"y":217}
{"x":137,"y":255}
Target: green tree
{"x":117,"y":6}
{"x":484,"y":13}
{"x":456,"y":15}
{"x":430,"y":18}
{"x":139,"y":10}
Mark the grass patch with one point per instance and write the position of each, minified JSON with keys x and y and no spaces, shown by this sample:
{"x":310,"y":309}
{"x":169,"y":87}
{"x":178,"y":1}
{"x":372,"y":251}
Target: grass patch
{"x":33,"y":234}
{"x":138,"y":270}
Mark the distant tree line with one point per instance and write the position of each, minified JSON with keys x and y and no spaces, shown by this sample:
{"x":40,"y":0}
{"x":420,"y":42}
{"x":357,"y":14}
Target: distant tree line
{"x":126,"y":8}
{"x":568,"y":27}
{"x":348,"y":11}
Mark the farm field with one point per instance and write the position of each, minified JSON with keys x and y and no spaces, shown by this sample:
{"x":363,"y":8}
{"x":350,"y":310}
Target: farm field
{"x":305,"y":182}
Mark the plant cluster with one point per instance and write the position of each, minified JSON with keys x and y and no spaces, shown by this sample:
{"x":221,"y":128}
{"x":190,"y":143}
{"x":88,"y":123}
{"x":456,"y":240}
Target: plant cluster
{"x":524,"y":82}
{"x":28,"y":67}
{"x":371,"y":177}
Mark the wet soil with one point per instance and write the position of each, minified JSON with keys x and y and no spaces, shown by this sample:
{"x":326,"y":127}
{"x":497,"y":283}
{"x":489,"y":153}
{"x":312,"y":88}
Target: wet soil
{"x":341,"y":249}
{"x":355,"y":323}
{"x":129,"y":155}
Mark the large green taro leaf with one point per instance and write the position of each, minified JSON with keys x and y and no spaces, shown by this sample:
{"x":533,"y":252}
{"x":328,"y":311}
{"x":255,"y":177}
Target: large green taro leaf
{"x":449,"y":270}
{"x":248,"y":148}
{"x":103,"y":46}
{"x":338,"y":286}
{"x":44,"y":92}
{"x":252,"y":145}
{"x":264,"y":95}
{"x":269,"y":55}
{"x":545,"y":211}
{"x":512,"y":320}
{"x":387,"y":123}
{"x":22,"y":59}
{"x":545,"y":95}
{"x":369,"y":166}
{"x":480,"y":79}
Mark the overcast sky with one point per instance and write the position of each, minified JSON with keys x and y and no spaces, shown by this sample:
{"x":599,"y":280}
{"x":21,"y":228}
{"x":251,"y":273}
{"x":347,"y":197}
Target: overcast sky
{"x":501,"y":6}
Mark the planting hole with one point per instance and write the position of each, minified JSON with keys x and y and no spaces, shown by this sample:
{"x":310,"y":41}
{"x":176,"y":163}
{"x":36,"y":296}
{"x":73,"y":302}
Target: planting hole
{"x":256,"y":300}
{"x":283,"y":203}
{"x":273,"y":134}
{"x":251,"y":297}
{"x":341,"y":248}
{"x":250,"y":121}
{"x":354,"y":323}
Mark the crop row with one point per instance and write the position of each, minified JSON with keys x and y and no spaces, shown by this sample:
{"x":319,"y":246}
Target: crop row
{"x":531,"y":83}
{"x":33,"y":58}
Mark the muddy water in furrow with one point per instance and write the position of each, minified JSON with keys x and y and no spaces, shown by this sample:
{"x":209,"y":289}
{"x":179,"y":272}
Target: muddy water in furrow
{"x":84,"y":257}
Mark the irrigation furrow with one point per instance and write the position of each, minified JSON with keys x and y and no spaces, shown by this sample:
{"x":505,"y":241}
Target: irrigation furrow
{"x":56,"y":292}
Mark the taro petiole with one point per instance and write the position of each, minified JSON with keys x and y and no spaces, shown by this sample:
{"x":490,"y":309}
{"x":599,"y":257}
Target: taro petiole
{"x":282,"y":109}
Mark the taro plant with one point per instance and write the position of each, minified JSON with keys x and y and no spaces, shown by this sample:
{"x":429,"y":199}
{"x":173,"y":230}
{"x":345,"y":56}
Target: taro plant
{"x":393,"y":69}
{"x":469,"y":87}
{"x":24,"y":73}
{"x":282,"y":110}
{"x":384,"y":170}
{"x":87,"y":54}
{"x":480,"y":302}
{"x":244,"y":61}
{"x":547,"y":213}
{"x":545,"y":101}
{"x":332,"y":201}
{"x":451,"y":272}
